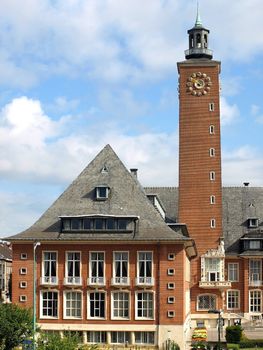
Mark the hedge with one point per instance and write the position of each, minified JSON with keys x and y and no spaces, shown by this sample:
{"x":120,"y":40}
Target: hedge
{"x":232,"y":346}
{"x":251,"y":343}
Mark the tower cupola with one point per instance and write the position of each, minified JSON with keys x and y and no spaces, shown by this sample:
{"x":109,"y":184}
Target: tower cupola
{"x":198,"y":41}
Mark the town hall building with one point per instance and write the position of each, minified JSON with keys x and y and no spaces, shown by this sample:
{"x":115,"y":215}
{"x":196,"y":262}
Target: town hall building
{"x":125,"y":265}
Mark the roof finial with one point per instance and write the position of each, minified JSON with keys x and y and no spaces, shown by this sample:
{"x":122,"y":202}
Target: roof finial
{"x":198,"y":22}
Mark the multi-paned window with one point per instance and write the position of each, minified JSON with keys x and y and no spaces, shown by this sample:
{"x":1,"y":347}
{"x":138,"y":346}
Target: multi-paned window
{"x":212,"y":267}
{"x":73,"y":304}
{"x":233,"y":272}
{"x":144,"y":337}
{"x":145,"y":305}
{"x":120,"y":305}
{"x":49,"y":304}
{"x":120,"y":270}
{"x":97,"y":337}
{"x":50,"y":267}
{"x":97,"y":268}
{"x":2,"y":276}
{"x":73,"y":268}
{"x":232,"y":299}
{"x":120,"y":337}
{"x":97,"y":305}
{"x":255,"y":301}
{"x":206,"y":302}
{"x":255,"y":271}
{"x":145,"y":267}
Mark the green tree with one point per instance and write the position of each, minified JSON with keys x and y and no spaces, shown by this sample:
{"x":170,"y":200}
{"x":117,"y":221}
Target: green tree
{"x":53,"y":341}
{"x":15,"y":325}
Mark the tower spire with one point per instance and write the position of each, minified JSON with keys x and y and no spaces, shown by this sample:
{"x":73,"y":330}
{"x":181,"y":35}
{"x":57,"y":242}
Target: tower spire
{"x":198,"y":22}
{"x":198,"y":40}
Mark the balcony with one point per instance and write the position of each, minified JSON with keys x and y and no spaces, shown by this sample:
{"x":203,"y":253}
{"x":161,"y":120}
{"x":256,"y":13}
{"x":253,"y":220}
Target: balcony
{"x":255,"y":283}
{"x":214,"y":284}
{"x":49,"y":281}
{"x":120,"y":281}
{"x":96,"y":281}
{"x":72,"y":281}
{"x":144,"y":281}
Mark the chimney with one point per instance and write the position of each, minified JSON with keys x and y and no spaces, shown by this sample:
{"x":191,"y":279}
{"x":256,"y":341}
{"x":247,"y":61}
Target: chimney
{"x":134,"y":172}
{"x":246,"y":184}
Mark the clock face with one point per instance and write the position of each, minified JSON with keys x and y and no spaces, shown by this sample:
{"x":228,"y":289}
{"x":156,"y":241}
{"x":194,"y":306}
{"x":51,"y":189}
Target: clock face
{"x":198,"y":84}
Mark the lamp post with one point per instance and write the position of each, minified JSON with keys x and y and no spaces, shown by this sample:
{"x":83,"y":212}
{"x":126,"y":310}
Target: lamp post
{"x":219,"y":320}
{"x":35,"y":245}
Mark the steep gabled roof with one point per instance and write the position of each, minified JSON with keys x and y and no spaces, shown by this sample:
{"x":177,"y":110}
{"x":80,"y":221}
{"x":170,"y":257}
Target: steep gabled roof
{"x":127,"y":198}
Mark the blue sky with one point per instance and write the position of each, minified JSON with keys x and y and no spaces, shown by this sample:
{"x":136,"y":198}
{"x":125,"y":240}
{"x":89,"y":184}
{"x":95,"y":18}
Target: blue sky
{"x":76,"y":75}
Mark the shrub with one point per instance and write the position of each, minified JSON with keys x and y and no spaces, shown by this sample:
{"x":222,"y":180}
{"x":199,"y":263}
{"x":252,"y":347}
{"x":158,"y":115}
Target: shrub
{"x":233,"y":346}
{"x":233,"y":334}
{"x":251,"y":343}
{"x":200,"y":345}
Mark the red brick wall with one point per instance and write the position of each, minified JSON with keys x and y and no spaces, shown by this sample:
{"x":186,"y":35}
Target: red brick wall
{"x":195,"y":164}
{"x":160,"y":266}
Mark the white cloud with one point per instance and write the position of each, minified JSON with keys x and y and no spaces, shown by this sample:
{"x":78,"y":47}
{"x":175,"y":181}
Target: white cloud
{"x":115,"y":39}
{"x":241,"y":165}
{"x":229,"y":113}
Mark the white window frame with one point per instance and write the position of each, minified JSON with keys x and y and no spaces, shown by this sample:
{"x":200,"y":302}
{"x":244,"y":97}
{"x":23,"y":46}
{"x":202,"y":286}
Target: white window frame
{"x":253,"y":222}
{"x":119,"y":303}
{"x":210,"y":306}
{"x":23,"y":271}
{"x":212,"y":152}
{"x":101,"y":339}
{"x":121,"y":279}
{"x":170,"y":272}
{"x":41,"y":304}
{"x":233,"y":267}
{"x":211,"y":107}
{"x":89,"y":303}
{"x":23,"y":284}
{"x":144,"y":337}
{"x":255,"y":272}
{"x":170,"y":313}
{"x":22,"y":298}
{"x":144,"y":279}
{"x":23,"y":256}
{"x":97,"y":279}
{"x":136,"y":306}
{"x":211,"y":129}
{"x":49,"y":279}
{"x":98,"y":194}
{"x":170,"y":300}
{"x":170,"y":285}
{"x":254,"y":244}
{"x":252,"y":306}
{"x":171,"y":256}
{"x":65,"y":308}
{"x":212,"y":175}
{"x":212,"y":199}
{"x":73,"y":279}
{"x":213,"y":223}
{"x":126,"y":338}
{"x":237,"y":297}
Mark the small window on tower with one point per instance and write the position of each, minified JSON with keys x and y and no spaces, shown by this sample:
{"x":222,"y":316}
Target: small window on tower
{"x":212,"y":152}
{"x":211,"y":107}
{"x":211,"y":129}
{"x":212,"y":175}
{"x":212,"y":223}
{"x":212,"y":199}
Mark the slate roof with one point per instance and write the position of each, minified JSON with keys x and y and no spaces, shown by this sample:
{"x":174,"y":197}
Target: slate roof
{"x":127,"y":198}
{"x":5,"y":252}
{"x":239,"y":204}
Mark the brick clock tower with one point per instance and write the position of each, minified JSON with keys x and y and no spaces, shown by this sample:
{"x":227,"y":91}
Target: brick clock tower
{"x":200,"y":190}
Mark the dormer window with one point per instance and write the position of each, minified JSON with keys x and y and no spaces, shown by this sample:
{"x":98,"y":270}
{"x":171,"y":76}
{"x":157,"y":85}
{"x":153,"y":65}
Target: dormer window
{"x":102,"y":193}
{"x":252,"y":222}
